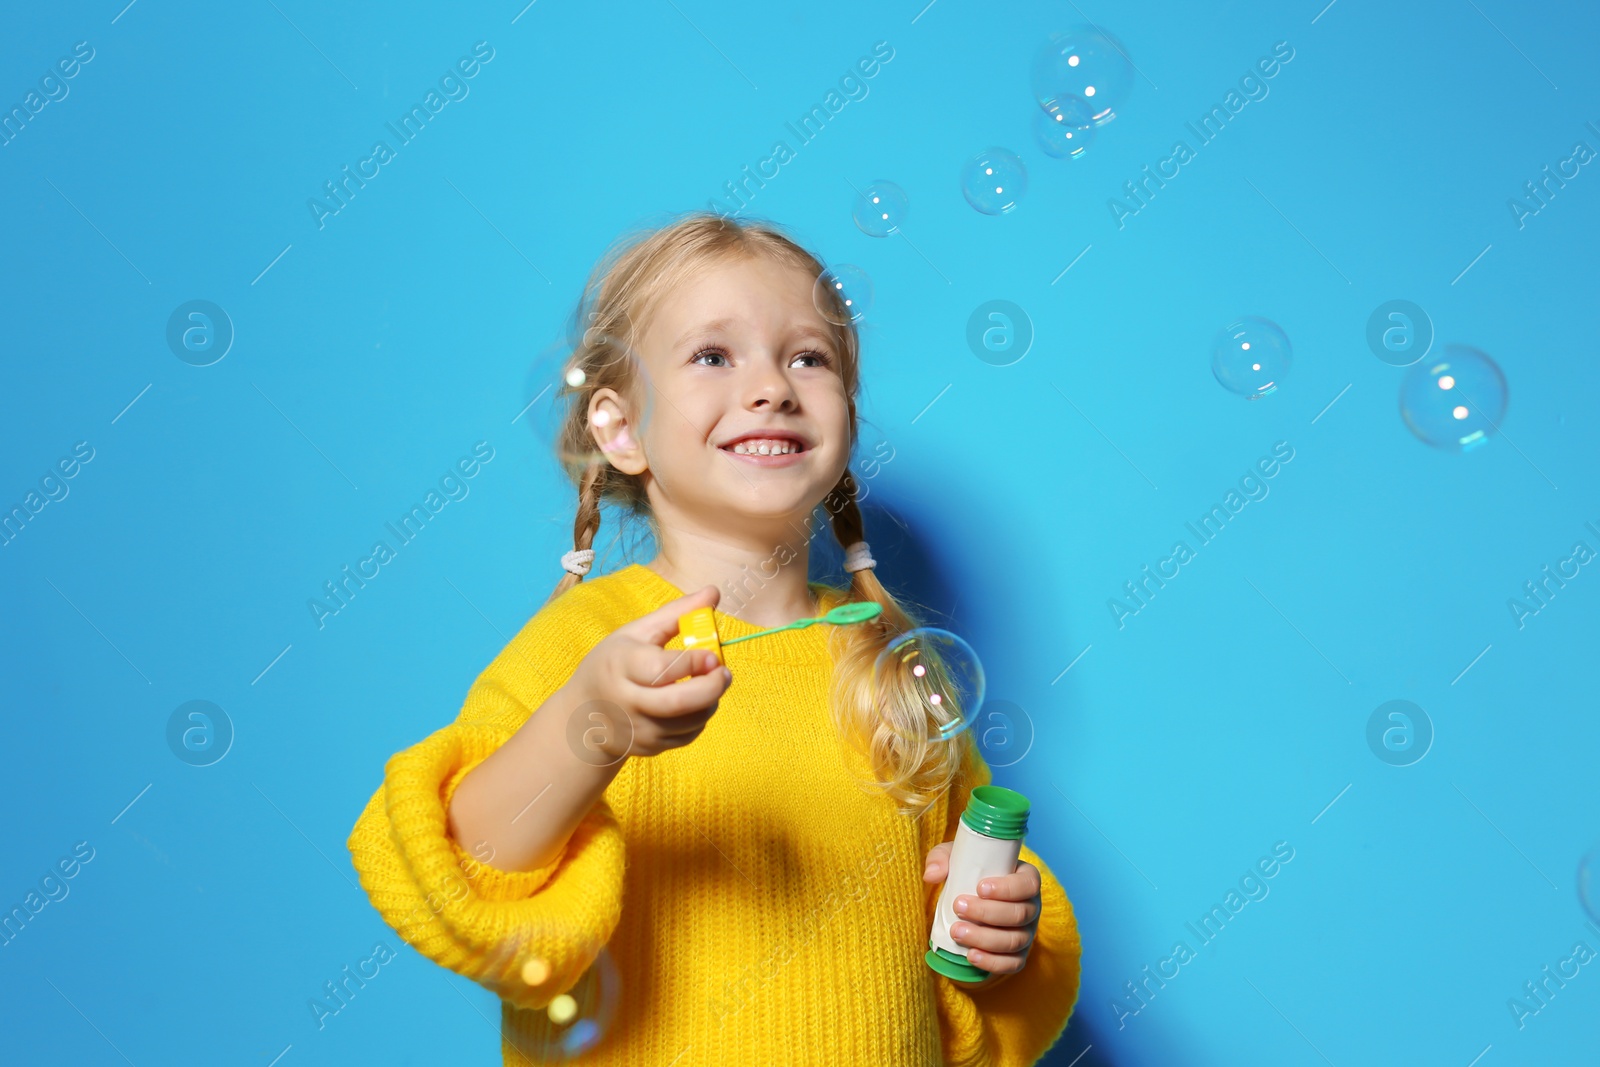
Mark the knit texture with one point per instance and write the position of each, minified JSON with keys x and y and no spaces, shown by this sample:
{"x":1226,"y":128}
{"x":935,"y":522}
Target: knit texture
{"x":759,"y":906}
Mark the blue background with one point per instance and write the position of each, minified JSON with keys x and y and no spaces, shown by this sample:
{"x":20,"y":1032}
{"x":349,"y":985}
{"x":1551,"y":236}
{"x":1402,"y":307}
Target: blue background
{"x":373,"y":352}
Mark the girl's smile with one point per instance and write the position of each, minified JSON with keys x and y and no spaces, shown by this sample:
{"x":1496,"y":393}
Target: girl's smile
{"x":768,"y":448}
{"x":785,"y":459}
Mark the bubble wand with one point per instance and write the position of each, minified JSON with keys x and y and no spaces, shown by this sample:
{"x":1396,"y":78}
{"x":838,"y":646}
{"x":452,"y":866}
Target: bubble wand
{"x":699,"y":627}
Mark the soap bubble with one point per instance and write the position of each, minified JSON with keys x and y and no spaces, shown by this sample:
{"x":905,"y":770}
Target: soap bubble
{"x":944,"y":673}
{"x":564,"y":372}
{"x":1251,"y":356}
{"x":843,"y":294}
{"x":1589,"y":883}
{"x":573,"y":1022}
{"x":1084,"y":73}
{"x":881,"y":208}
{"x":1053,"y":129}
{"x":994,"y":180}
{"x":1454,"y":400}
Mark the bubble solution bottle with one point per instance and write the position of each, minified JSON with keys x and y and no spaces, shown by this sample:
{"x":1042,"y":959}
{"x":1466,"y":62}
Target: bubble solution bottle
{"x":988,"y":843}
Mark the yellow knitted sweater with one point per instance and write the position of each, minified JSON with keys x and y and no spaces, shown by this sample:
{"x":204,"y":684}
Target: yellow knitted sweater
{"x":760,"y":906}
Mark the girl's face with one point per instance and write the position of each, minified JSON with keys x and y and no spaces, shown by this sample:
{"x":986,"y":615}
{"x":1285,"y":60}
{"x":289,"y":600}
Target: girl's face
{"x":738,"y":349}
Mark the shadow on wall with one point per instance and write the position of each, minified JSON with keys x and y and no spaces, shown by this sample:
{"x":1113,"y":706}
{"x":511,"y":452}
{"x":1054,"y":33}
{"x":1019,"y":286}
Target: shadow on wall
{"x":915,"y":570}
{"x":1079,"y":1046}
{"x":908,"y":565}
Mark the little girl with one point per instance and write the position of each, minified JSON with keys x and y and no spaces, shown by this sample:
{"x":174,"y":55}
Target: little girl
{"x":654,"y":859}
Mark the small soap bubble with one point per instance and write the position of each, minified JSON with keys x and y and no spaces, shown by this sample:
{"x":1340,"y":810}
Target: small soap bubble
{"x":1251,"y":356}
{"x":943,"y":672}
{"x":881,"y":208}
{"x":1084,"y":74}
{"x":563,"y":375}
{"x":1455,"y":400}
{"x":1054,"y":131}
{"x":574,"y":1022}
{"x":994,"y":180}
{"x":843,"y":294}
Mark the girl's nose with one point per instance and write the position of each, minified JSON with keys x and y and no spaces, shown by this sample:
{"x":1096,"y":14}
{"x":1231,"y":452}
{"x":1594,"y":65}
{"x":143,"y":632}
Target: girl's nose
{"x":773,"y":390}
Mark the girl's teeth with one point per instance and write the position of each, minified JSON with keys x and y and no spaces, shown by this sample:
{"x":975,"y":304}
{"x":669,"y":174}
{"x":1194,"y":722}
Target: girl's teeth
{"x":765,"y":448}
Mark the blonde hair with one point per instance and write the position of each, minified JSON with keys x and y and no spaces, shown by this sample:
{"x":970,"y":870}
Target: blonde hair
{"x":887,"y":720}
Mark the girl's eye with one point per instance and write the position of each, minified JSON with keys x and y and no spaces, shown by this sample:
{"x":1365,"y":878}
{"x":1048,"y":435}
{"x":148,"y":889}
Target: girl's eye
{"x":715,"y":352}
{"x":821,"y":358}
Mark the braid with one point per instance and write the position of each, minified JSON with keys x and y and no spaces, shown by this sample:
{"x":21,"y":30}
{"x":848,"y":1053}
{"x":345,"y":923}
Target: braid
{"x":887,"y":725}
{"x":848,"y":528}
{"x":587,"y":522}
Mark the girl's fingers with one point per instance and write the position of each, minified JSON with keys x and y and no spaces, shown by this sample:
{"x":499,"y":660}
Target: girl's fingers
{"x":667,"y":744}
{"x":697,"y":693}
{"x":671,"y":741}
{"x":938,"y":865}
{"x":1021,"y":884}
{"x":686,"y":727}
{"x":993,"y":912}
{"x":659,"y":627}
{"x":1000,"y":940}
{"x":650,"y":666}
{"x":996,"y":963}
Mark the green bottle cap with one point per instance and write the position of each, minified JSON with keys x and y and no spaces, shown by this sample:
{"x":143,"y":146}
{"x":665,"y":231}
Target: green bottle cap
{"x":995,"y":811}
{"x":952,"y":966}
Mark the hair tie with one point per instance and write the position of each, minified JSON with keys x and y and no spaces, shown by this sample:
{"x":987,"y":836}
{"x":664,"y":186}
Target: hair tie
{"x":858,"y":557}
{"x":577,"y":561}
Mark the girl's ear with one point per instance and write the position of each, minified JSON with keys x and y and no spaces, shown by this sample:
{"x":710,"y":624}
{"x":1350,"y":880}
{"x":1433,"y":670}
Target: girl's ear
{"x":614,"y":433}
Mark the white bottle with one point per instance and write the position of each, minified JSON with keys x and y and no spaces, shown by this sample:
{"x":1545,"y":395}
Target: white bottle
{"x":988,"y":843}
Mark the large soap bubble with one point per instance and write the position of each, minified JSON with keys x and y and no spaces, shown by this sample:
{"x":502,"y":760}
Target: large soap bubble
{"x":1084,"y":74}
{"x":1454,"y":400}
{"x":942,"y":670}
{"x":573,"y":1022}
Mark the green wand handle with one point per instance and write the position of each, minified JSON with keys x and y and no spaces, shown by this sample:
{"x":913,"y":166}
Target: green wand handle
{"x":842,"y":615}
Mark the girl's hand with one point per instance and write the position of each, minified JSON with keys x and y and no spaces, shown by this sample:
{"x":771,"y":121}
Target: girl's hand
{"x":998,"y":925}
{"x":625,"y":684}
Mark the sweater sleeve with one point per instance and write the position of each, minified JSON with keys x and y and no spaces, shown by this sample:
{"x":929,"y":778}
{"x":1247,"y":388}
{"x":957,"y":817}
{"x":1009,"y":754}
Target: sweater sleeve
{"x":476,"y":920}
{"x":1014,"y":1022}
